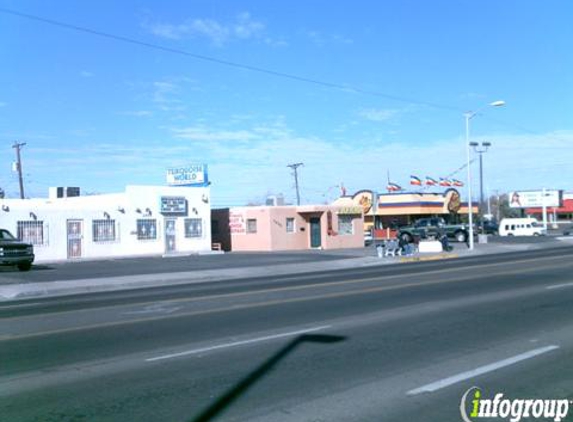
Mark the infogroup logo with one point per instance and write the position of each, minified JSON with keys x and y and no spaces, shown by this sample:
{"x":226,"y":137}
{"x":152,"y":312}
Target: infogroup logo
{"x":513,"y":409}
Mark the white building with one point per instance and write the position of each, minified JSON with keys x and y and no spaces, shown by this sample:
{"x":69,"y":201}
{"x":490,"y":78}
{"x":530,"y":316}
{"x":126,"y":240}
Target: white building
{"x":144,"y":220}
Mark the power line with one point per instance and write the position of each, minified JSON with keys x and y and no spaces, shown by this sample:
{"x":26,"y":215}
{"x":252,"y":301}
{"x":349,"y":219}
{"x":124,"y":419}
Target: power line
{"x":228,"y":63}
{"x":526,"y":130}
{"x":251,"y":68}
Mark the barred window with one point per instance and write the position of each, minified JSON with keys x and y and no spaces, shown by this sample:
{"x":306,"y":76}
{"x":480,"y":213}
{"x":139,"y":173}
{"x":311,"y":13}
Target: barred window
{"x":290,"y":225}
{"x":193,"y":227}
{"x":31,"y":232}
{"x":345,"y":225}
{"x":251,"y":225}
{"x":146,"y":229}
{"x":103,"y":230}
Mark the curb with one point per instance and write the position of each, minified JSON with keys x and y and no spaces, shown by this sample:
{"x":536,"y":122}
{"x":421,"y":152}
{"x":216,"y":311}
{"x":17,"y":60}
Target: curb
{"x":429,"y":258}
{"x":96,"y":285}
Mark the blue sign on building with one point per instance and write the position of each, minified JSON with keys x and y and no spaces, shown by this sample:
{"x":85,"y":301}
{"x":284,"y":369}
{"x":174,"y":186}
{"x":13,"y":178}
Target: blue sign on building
{"x":191,"y":175}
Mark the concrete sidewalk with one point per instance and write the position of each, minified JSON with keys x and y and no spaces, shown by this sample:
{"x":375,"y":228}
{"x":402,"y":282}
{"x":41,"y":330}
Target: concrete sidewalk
{"x":350,"y":258}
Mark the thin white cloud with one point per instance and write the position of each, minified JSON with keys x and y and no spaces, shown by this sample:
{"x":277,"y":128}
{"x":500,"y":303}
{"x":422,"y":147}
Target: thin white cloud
{"x":378,"y":115}
{"x":166,"y":96}
{"x":199,"y":133}
{"x":3,"y":104}
{"x":276,"y":42}
{"x":136,"y":113}
{"x":243,"y":27}
{"x":473,"y":96}
{"x":86,"y":74}
{"x":250,"y":160}
{"x":320,"y":39}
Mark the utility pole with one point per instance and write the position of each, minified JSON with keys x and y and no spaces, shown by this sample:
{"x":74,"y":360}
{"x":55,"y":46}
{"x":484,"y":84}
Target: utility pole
{"x":17,"y":146}
{"x":481,"y":149}
{"x":295,"y":166}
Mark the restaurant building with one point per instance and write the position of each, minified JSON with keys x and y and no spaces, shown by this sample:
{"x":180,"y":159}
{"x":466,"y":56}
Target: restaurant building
{"x":388,"y":211}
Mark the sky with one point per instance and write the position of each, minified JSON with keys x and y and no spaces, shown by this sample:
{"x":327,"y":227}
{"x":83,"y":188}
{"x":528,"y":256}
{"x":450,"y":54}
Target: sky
{"x":107,"y":94}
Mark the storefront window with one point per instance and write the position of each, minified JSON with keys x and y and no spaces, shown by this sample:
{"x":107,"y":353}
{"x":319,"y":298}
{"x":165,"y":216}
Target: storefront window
{"x":251,"y":225}
{"x":345,"y":225}
{"x":193,"y":227}
{"x":103,"y":230}
{"x":146,"y":229}
{"x":31,"y":232}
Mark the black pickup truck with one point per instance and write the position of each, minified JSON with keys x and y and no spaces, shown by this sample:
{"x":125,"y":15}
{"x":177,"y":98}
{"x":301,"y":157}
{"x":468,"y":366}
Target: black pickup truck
{"x":14,"y":252}
{"x":433,"y":227}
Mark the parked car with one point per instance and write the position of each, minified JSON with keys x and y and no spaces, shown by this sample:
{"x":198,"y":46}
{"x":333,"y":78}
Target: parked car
{"x":433,"y":227}
{"x":489,"y":227}
{"x":368,"y":238}
{"x":14,"y":252}
{"x":520,"y":227}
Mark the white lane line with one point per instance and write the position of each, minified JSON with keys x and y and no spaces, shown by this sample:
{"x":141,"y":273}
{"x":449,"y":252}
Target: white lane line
{"x":237,"y":343}
{"x":446,"y":382}
{"x":559,"y":286}
{"x":21,"y":305}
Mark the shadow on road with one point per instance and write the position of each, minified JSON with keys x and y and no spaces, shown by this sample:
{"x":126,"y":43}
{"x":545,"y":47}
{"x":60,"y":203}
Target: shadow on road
{"x":234,"y":393}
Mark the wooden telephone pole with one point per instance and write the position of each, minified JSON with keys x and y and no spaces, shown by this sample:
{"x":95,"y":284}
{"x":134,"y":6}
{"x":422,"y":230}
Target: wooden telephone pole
{"x":295,"y":166}
{"x":17,"y":146}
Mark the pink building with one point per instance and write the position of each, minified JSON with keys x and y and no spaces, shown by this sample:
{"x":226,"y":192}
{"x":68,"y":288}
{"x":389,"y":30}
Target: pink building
{"x":279,"y":228}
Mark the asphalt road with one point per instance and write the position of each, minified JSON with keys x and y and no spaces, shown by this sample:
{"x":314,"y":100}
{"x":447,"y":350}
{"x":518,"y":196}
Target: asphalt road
{"x":393,"y":343}
{"x":73,"y":270}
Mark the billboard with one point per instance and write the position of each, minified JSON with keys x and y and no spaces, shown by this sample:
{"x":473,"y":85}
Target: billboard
{"x":535,"y":198}
{"x":191,"y":175}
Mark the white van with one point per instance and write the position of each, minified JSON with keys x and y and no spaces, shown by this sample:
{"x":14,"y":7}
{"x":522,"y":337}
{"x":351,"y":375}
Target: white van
{"x":520,"y":227}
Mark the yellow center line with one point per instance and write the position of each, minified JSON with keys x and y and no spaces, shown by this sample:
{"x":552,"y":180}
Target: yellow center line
{"x":380,"y":277}
{"x":267,"y":303}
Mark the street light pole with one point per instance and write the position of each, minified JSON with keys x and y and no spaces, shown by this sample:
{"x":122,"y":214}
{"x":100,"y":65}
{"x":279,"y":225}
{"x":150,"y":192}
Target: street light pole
{"x":468,"y":116}
{"x":481,"y":151}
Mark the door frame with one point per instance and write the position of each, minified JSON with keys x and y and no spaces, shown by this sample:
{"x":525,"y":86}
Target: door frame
{"x":315,"y":222}
{"x":169,"y":234}
{"x":74,"y":238}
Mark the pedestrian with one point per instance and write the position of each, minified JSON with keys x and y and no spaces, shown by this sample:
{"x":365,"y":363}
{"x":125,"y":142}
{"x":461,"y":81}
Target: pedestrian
{"x":380,"y":250}
{"x":445,"y":243}
{"x":405,"y":246}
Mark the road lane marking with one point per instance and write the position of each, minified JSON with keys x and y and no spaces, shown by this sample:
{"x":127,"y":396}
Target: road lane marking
{"x":380,"y":278}
{"x":446,"y":382}
{"x":158,"y":308}
{"x":559,"y":286}
{"x":237,"y":343}
{"x":20,"y":305}
{"x":165,"y":317}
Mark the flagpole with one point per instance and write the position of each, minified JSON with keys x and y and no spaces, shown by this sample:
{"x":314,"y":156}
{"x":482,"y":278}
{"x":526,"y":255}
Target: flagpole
{"x":388,"y":183}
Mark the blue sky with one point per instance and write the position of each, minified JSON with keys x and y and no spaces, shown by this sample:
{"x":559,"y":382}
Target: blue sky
{"x":394,"y":80}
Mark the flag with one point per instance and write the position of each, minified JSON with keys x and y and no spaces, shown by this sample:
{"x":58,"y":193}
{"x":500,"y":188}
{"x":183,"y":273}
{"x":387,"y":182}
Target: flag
{"x":445,"y":182}
{"x":393,"y":187}
{"x":430,"y":181}
{"x":415,"y":181}
{"x":457,"y":183}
